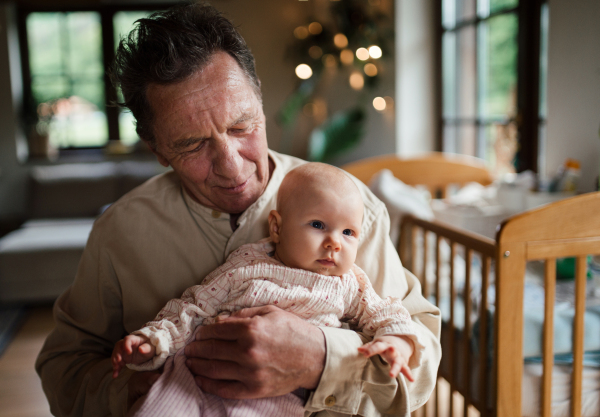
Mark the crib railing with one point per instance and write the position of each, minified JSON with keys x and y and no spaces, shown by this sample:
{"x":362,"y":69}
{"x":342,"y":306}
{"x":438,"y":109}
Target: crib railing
{"x":415,"y":253}
{"x":569,"y":228}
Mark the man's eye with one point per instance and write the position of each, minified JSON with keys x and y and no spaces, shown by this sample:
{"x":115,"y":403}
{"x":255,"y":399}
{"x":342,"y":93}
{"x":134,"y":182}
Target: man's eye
{"x":317,"y":224}
{"x":195,"y":148}
{"x":238,"y":129}
{"x":348,"y":232}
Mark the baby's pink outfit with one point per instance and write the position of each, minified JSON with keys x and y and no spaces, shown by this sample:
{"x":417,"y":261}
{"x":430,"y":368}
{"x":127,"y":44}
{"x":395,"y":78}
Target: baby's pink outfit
{"x":252,"y":277}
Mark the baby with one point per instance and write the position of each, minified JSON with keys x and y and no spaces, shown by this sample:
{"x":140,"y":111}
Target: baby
{"x":306,"y":267}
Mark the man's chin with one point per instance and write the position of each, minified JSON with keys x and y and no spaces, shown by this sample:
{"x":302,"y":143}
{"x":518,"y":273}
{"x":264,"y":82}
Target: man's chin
{"x":236,"y":205}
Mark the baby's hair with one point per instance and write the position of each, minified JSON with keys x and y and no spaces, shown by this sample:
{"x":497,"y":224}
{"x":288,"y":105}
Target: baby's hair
{"x":316,"y":174}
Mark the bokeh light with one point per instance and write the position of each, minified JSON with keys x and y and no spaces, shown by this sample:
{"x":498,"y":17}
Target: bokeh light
{"x":370,"y":70}
{"x":357,"y":81}
{"x":347,"y":57}
{"x":379,"y":103}
{"x":362,"y":54}
{"x":301,"y":32}
{"x":315,"y":52}
{"x":315,"y":28}
{"x":389,"y":102}
{"x":303,"y":71}
{"x":375,"y":51}
{"x":340,"y":40}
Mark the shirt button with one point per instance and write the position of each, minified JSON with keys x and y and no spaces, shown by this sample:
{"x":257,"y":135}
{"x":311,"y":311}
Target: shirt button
{"x":216,"y":214}
{"x":330,"y":401}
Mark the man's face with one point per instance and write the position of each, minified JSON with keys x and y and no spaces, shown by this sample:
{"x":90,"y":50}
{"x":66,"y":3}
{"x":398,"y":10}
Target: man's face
{"x":210,"y":128}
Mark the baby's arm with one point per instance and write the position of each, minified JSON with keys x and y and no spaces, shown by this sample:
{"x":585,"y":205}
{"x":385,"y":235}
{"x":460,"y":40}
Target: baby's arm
{"x":134,"y":349}
{"x":395,"y":350}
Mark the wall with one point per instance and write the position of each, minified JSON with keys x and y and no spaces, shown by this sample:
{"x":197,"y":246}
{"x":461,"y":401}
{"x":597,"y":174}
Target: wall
{"x":416,"y":119}
{"x":574,"y":88}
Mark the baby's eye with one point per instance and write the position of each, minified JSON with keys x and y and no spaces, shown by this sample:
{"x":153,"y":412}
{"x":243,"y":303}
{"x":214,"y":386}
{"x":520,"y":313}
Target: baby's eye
{"x":348,"y":232}
{"x":317,"y":224}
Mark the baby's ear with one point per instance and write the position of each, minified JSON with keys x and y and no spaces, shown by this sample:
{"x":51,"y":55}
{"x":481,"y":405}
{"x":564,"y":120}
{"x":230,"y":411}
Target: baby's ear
{"x":274,"y":225}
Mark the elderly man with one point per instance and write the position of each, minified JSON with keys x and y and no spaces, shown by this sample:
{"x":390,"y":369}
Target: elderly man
{"x":189,"y":79}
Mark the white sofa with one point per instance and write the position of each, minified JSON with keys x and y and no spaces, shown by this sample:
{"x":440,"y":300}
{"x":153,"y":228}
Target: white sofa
{"x":39,"y":260}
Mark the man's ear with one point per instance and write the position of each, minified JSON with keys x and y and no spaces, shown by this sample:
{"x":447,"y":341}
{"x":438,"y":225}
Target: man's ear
{"x":161,"y":159}
{"x":274,"y":225}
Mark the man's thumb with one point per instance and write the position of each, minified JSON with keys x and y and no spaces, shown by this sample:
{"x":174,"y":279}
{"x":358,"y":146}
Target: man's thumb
{"x":247,"y":313}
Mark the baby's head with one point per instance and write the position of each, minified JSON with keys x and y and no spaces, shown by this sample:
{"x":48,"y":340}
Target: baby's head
{"x":317,"y":223}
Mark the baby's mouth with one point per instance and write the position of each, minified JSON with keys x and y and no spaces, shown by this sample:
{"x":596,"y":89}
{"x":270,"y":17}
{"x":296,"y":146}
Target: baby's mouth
{"x":326,"y":262}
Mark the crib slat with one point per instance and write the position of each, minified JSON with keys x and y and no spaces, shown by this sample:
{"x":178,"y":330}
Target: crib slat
{"x":467,"y":333}
{"x":576,"y":382}
{"x":550,"y":294}
{"x":438,"y":264}
{"x":483,"y":342}
{"x":413,"y":245}
{"x":438,"y":261}
{"x":405,"y":242}
{"x":451,"y":347}
{"x":424,"y":282}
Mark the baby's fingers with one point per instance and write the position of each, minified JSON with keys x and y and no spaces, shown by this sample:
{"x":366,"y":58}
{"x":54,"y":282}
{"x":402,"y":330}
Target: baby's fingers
{"x":128,"y":345}
{"x":398,"y":364}
{"x":117,"y":365}
{"x":373,"y":348}
{"x":145,"y":349}
{"x":406,"y":372}
{"x":395,"y":368}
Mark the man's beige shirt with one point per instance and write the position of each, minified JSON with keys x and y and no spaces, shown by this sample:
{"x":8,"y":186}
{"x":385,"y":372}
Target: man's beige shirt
{"x":155,"y":242}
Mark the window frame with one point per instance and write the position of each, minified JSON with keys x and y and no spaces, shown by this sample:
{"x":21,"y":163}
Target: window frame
{"x":107,"y":13}
{"x":527,"y":116}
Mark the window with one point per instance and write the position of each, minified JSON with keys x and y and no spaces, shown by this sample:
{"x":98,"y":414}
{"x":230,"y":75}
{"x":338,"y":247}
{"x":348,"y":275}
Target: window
{"x":489,"y":60}
{"x":66,"y":70}
{"x":65,"y":56}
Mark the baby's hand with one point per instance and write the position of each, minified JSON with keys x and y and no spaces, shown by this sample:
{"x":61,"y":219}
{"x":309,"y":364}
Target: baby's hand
{"x":395,"y":350}
{"x":133,"y":349}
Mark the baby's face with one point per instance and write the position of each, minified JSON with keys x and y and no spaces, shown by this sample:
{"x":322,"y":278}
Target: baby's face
{"x":320,"y":232}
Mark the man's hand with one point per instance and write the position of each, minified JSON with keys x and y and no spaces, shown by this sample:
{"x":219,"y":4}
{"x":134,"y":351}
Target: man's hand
{"x":395,"y":350}
{"x":256,"y":353}
{"x":139,"y":384}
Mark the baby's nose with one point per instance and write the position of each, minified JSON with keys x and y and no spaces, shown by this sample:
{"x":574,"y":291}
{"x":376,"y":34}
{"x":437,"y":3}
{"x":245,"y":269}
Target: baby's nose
{"x":333,"y":243}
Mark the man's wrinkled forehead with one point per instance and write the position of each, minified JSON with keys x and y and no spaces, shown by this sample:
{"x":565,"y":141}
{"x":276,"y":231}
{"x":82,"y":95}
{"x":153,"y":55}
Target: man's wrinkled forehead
{"x":201,"y":92}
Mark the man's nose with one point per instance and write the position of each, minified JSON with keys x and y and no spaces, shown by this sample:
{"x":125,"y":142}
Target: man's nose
{"x":227,"y":161}
{"x":332,"y":243}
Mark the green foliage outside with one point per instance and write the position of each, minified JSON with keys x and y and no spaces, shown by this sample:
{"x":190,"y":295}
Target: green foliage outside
{"x":65,"y":56}
{"x":497,"y":5}
{"x":498,"y":98}
{"x":67,"y":77}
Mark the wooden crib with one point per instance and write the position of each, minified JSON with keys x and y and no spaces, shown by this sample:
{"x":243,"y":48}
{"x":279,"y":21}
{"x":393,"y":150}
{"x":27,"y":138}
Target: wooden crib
{"x":492,"y":382}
